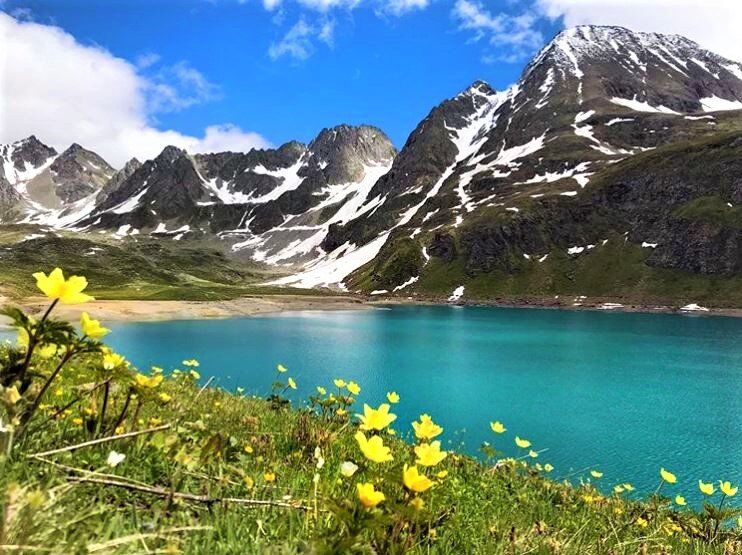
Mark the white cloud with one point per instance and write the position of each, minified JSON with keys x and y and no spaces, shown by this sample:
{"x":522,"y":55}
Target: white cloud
{"x":64,"y":92}
{"x":298,"y":42}
{"x":714,"y":24}
{"x":401,"y":7}
{"x":515,"y":36}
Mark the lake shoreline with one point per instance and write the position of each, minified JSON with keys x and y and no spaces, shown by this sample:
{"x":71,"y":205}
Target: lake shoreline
{"x":155,"y":310}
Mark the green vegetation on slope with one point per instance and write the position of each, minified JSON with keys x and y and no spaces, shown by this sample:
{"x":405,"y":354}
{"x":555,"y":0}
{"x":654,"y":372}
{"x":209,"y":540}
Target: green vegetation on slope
{"x":100,"y":457}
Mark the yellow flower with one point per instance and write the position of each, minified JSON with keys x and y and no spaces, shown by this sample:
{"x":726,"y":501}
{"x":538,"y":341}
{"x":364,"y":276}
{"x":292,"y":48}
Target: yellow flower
{"x":727,"y":489}
{"x":321,"y":390}
{"x":195,"y":375}
{"x":148,"y":382}
{"x":548,"y":467}
{"x":641,"y":522}
{"x":668,"y":476}
{"x":191,"y":362}
{"x":249,"y":482}
{"x":533,"y":454}
{"x":619,"y":488}
{"x":628,"y":487}
{"x":165,"y":398}
{"x":354,"y":388}
{"x":426,"y":428}
{"x":341,"y":412}
{"x":281,"y":368}
{"x":47,"y":351}
{"x":291,"y":383}
{"x":92,"y":328}
{"x":429,"y":454}
{"x":392,"y":397}
{"x":248,"y":449}
{"x":112,"y":360}
{"x":69,"y":291}
{"x":680,"y":500}
{"x":442,"y":474}
{"x":269,"y":477}
{"x":373,"y":448}
{"x":11,"y":395}
{"x":77,"y":421}
{"x":498,"y":427}
{"x":414,"y":481}
{"x":157,"y":370}
{"x":522,"y":443}
{"x":596,"y":474}
{"x":340,"y":384}
{"x":368,"y":496}
{"x":708,"y":489}
{"x":417,"y":503}
{"x":376,"y":419}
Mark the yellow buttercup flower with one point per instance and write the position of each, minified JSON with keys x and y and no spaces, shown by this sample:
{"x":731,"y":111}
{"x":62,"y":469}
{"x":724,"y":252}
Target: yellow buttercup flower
{"x":340,"y":384}
{"x":354,"y":388}
{"x":248,"y":449}
{"x":269,"y":477}
{"x":92,"y":328}
{"x":596,"y":474}
{"x":417,"y":503}
{"x":498,"y":427}
{"x":281,"y":368}
{"x":668,"y":476}
{"x":195,"y":375}
{"x":727,"y":489}
{"x":368,"y":496}
{"x":47,"y":351}
{"x":680,"y":500}
{"x":321,"y":390}
{"x":113,"y":360}
{"x":392,"y":397}
{"x":429,"y":454}
{"x":641,"y":522}
{"x":67,"y":291}
{"x":414,"y":481}
{"x":291,"y":383}
{"x":249,"y":482}
{"x":522,"y":443}
{"x":426,"y":428}
{"x":707,"y":488}
{"x":442,"y":474}
{"x":376,"y":419}
{"x":77,"y":421}
{"x":373,"y":448}
{"x":165,"y":398}
{"x":11,"y":395}
{"x":628,"y":487}
{"x":619,"y":488}
{"x":548,"y":467}
{"x":148,"y":382}
{"x":533,"y":454}
{"x":191,"y":362}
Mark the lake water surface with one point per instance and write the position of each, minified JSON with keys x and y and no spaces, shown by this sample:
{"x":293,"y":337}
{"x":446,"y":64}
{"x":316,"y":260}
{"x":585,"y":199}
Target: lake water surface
{"x":625,"y":393}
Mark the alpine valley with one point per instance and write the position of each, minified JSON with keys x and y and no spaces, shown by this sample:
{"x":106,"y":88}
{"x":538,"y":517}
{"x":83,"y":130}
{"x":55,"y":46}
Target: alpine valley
{"x":612,"y":170}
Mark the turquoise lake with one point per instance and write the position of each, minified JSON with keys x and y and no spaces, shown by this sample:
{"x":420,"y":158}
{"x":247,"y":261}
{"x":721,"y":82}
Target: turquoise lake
{"x":625,"y":393}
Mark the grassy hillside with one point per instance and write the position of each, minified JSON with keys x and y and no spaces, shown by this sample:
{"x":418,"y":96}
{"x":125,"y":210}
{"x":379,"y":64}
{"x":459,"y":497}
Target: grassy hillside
{"x":101,"y":457}
{"x":148,"y":269}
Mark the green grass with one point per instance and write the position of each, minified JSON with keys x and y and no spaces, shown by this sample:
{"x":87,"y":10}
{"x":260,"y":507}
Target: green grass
{"x":616,"y":270}
{"x":711,"y":210}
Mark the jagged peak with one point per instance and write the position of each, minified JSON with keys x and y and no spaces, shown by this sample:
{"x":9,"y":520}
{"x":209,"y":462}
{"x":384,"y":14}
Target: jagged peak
{"x":170,"y":153}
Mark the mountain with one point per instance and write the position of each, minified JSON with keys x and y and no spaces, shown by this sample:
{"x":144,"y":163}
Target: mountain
{"x":611,"y":168}
{"x":495,"y":183}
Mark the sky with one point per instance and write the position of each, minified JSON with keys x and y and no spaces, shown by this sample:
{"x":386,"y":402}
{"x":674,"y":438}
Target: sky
{"x":128,"y":77}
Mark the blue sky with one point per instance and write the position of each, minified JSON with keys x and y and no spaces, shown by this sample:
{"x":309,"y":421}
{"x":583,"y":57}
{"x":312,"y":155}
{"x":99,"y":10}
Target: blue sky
{"x":383,"y":69}
{"x":230,"y":74}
